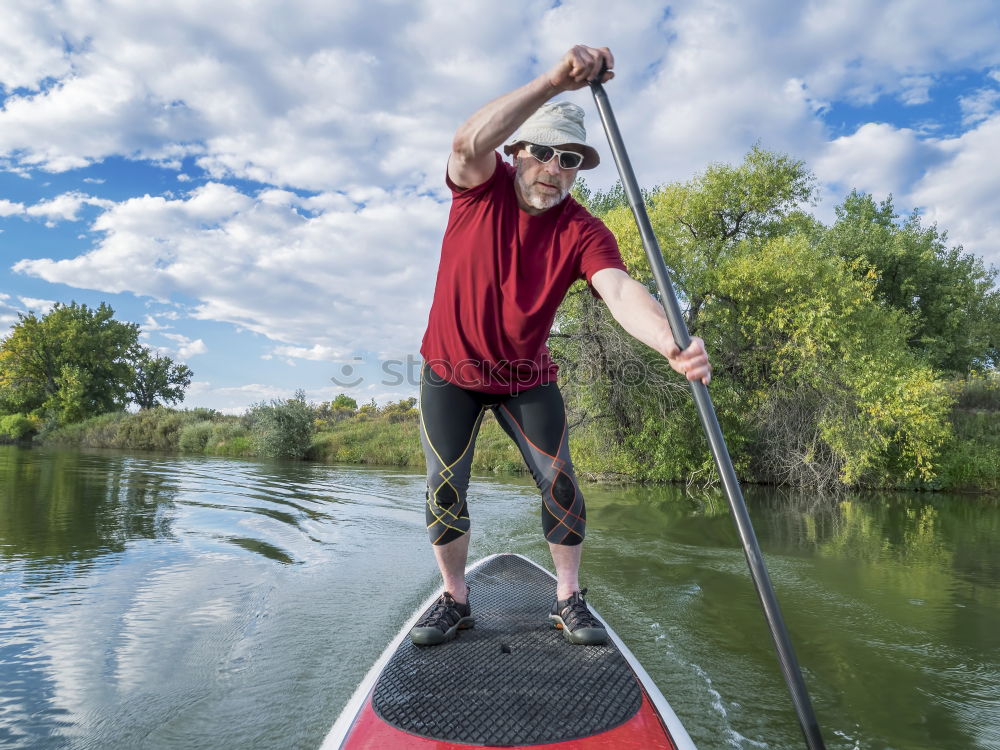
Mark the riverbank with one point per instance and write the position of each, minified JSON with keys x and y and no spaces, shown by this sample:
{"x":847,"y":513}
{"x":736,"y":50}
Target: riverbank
{"x":389,"y":436}
{"x":971,"y":462}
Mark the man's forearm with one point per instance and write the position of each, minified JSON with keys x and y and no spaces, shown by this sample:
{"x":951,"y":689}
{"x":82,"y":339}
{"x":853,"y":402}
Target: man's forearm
{"x":495,"y":122}
{"x":641,"y":316}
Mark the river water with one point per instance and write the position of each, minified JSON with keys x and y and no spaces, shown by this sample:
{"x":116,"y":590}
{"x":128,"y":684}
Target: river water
{"x":162,"y":602}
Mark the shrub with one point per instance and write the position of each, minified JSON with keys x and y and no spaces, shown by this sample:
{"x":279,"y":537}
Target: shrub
{"x":237,"y":446}
{"x":282,"y":429}
{"x":978,"y":392}
{"x":96,"y":432}
{"x":19,"y":427}
{"x":366,"y":411}
{"x":400,"y":411}
{"x":194,"y":437}
{"x":970,"y":461}
{"x":224,"y":431}
{"x":162,"y":429}
{"x":155,"y":429}
{"x":229,"y":437}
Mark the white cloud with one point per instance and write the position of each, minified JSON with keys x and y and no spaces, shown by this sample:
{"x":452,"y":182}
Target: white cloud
{"x":8,"y":315}
{"x":945,"y":178}
{"x":152,"y":324}
{"x":329,"y":94}
{"x":10,"y":208}
{"x":866,"y":49}
{"x":30,"y":49}
{"x":707,"y":80}
{"x":316,"y":353}
{"x":316,"y":97}
{"x":186,"y":347}
{"x":878,"y":158}
{"x":960,"y":194}
{"x":915,"y":89}
{"x":7,"y":321}
{"x":232,"y":399}
{"x":40,"y":306}
{"x":337,"y":280}
{"x":65,"y":207}
{"x":979,"y":105}
{"x":237,"y":399}
{"x":191,"y":349}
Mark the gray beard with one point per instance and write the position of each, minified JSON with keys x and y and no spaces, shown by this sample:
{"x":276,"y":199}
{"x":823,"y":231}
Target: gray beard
{"x":533,"y":198}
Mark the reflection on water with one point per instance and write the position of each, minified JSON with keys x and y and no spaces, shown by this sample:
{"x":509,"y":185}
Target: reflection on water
{"x":892,"y":602}
{"x":156,"y":601}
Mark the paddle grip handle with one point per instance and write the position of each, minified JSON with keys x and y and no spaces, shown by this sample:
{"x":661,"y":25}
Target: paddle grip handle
{"x":599,"y":79}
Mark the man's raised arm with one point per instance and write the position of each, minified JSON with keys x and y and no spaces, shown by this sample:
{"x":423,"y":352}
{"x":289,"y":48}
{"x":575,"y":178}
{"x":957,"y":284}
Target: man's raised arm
{"x":472,"y":161}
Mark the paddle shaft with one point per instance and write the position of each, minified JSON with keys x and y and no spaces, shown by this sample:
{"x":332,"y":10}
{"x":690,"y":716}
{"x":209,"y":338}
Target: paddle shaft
{"x":710,"y":423}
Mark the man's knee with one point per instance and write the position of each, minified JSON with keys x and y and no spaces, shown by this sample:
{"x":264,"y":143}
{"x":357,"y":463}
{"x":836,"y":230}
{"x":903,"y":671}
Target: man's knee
{"x":564,"y":491}
{"x":444,"y":503}
{"x":447,"y":515}
{"x":564,"y":518}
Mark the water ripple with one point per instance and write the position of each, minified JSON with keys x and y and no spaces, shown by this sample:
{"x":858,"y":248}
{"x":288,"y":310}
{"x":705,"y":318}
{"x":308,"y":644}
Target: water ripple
{"x":151,"y":601}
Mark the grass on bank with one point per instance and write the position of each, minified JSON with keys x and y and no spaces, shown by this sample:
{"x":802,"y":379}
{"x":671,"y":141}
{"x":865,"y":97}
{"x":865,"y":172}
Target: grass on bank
{"x":390,"y":436}
{"x":971,"y":462}
{"x":201,"y":431}
{"x":977,"y":393}
{"x":397,"y":443}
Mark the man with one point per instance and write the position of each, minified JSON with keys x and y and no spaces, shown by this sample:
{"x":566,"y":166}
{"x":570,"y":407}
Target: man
{"x":514,"y":244}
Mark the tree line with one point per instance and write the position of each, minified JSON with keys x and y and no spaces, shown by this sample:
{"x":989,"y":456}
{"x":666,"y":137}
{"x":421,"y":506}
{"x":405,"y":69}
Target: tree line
{"x":835,"y":347}
{"x":76,"y":362}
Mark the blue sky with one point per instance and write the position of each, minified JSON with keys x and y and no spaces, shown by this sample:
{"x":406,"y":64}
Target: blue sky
{"x":265,"y":196}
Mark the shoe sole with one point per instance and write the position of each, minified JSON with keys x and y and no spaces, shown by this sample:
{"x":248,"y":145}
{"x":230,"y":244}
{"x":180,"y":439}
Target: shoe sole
{"x":434,"y":636}
{"x":581,"y":636}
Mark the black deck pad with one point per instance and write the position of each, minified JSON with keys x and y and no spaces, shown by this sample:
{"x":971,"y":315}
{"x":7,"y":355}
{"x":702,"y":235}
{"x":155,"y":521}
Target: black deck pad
{"x":513,"y":679}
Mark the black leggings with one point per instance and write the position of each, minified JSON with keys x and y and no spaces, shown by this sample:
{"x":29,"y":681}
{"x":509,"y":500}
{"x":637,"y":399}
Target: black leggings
{"x":535,"y":419}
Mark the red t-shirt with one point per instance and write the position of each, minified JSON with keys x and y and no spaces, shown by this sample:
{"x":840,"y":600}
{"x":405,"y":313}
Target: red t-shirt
{"x":503,"y":274}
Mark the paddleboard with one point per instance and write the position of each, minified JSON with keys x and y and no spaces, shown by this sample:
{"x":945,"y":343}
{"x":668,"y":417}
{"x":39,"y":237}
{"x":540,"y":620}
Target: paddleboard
{"x":511,"y":681}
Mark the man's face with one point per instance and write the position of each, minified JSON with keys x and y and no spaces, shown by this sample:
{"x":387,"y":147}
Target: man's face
{"x":542,"y":186}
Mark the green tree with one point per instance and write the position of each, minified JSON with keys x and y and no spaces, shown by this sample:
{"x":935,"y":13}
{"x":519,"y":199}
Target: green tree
{"x":814,"y":381}
{"x":599,"y":202}
{"x":343,"y":401}
{"x":18,"y":427}
{"x":947,"y":295}
{"x":703,"y":222}
{"x":69,"y":364}
{"x":156,"y":379}
{"x":342,"y":407}
{"x":698,"y":224}
{"x":822,"y":370}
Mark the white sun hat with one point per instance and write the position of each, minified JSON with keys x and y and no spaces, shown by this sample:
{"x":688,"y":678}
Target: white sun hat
{"x":556,"y":124}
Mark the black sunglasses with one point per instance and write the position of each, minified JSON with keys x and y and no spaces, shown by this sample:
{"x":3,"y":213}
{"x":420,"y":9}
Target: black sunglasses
{"x":544,"y":154}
